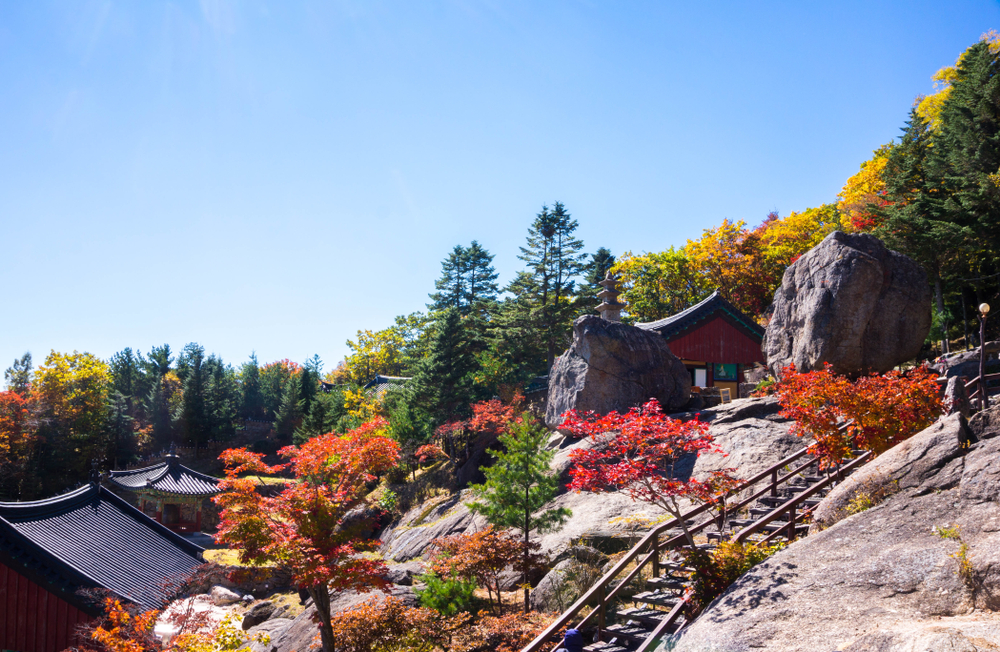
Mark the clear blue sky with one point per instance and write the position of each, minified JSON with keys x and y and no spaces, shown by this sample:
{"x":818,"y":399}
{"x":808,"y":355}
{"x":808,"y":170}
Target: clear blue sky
{"x":273,"y":176}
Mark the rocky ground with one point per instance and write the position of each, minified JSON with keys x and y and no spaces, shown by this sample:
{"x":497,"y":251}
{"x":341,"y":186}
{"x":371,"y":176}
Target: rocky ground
{"x":918,"y":571}
{"x":749,"y":430}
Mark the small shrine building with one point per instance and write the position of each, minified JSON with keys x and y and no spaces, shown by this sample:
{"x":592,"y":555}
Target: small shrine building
{"x":169,"y":492}
{"x":715,"y":340}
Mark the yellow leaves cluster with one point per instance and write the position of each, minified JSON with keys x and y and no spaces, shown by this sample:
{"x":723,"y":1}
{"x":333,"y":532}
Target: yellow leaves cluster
{"x":375,"y":352}
{"x":361,"y":404}
{"x":864,"y":190}
{"x":73,"y":389}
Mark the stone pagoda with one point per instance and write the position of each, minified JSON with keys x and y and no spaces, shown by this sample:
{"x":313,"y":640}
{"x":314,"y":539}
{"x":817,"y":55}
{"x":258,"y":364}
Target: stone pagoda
{"x":610,"y":308}
{"x":169,"y":492}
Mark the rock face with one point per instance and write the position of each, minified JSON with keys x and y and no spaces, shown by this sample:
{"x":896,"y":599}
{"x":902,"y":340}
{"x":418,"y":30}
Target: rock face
{"x":614,"y":367}
{"x":302,"y":633}
{"x":258,"y":613}
{"x":750,"y":431}
{"x":886,"y":578}
{"x":851,"y":302}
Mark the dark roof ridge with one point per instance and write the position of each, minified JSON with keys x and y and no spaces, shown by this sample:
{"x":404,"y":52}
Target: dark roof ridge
{"x":45,"y":505}
{"x":129,"y":472}
{"x":692,"y":315}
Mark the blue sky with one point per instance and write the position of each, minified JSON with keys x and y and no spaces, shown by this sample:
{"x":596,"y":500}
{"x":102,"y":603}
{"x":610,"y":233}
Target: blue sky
{"x":274,"y":176}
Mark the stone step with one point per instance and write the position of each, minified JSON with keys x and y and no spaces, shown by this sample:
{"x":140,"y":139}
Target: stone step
{"x":646,"y":615}
{"x":667,"y":599}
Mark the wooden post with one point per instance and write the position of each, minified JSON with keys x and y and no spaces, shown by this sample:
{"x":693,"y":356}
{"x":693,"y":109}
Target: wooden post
{"x":656,"y":555}
{"x":774,"y":482}
{"x":600,"y":611}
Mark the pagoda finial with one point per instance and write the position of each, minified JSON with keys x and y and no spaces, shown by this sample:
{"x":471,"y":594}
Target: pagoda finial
{"x":610,"y":308}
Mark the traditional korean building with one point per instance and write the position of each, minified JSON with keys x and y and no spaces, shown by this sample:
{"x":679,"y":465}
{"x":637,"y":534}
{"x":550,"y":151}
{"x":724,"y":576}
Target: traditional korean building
{"x":169,"y":492}
{"x":85,"y":539}
{"x":715,"y":340}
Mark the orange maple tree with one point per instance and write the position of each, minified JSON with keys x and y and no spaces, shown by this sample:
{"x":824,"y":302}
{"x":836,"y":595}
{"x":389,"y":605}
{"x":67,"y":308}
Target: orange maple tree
{"x":481,"y":556}
{"x":878,"y":410}
{"x":303,"y":527}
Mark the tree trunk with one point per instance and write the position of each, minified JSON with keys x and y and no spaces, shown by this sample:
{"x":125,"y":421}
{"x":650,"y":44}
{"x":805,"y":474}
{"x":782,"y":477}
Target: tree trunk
{"x":527,"y":530}
{"x":939,"y":303}
{"x":321,"y":600}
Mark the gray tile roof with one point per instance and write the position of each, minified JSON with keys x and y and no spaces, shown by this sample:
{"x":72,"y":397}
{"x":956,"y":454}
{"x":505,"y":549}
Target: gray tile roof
{"x":170,"y":477}
{"x":89,"y":538}
{"x":674,"y":325}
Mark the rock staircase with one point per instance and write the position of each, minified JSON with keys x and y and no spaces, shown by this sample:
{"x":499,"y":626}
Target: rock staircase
{"x":634,"y":609}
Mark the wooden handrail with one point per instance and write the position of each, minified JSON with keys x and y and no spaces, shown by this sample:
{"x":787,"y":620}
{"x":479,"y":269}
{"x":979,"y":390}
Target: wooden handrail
{"x":662,"y":627}
{"x":641,"y":547}
{"x":797,"y":499}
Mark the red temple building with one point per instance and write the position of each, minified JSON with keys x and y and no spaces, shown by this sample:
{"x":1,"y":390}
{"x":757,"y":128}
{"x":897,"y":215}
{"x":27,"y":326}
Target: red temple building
{"x":169,"y":492}
{"x":715,"y":340}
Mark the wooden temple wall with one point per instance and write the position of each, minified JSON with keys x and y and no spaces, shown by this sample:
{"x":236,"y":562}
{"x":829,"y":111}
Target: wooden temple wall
{"x":32,"y":619}
{"x":717,"y":341}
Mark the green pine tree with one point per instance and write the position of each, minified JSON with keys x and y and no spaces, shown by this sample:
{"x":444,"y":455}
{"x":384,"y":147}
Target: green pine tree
{"x":518,"y":485}
{"x":554,"y":261}
{"x":18,"y":375}
{"x":252,"y":399}
{"x":289,"y":416}
{"x":442,"y":385}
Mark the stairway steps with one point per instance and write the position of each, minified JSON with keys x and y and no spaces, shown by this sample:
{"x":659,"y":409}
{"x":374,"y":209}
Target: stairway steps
{"x":634,"y":632}
{"x":666,"y":582}
{"x":601,"y":646}
{"x":645,"y":615}
{"x":658,"y":598}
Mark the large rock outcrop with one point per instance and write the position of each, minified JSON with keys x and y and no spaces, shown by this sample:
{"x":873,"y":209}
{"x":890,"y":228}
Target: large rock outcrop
{"x":751,"y":433}
{"x":851,"y":302}
{"x":614,"y":367}
{"x":918,"y":571}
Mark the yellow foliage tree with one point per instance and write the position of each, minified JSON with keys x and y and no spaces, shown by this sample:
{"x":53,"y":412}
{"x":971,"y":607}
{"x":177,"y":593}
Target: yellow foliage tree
{"x":374,"y":352}
{"x":864,"y":192}
{"x":70,"y":391}
{"x":656,"y":285}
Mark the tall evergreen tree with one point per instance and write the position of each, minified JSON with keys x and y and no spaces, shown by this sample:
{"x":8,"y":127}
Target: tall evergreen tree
{"x":18,"y":376}
{"x":468,"y":279}
{"x":451,"y":287}
{"x":554,"y":261}
{"x":481,"y":277}
{"x":966,"y":152}
{"x":916,"y":221}
{"x":252,"y":403}
{"x":442,"y":386}
{"x":193,"y":417}
{"x":289,"y":415}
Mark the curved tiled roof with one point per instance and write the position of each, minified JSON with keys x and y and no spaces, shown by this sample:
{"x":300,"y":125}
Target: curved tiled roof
{"x":168,"y":477}
{"x":90,"y":538}
{"x":676,"y":324}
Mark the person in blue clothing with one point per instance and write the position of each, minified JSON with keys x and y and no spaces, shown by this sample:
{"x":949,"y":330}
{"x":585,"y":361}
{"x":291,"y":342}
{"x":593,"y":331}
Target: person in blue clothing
{"x":572,"y":642}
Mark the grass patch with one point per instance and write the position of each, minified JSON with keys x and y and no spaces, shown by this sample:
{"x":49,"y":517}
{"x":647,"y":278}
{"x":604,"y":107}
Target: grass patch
{"x":228,"y":557}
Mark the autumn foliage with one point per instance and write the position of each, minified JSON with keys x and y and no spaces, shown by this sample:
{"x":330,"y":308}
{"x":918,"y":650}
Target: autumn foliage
{"x":481,"y":556}
{"x":879,"y":411}
{"x":303,"y":527}
{"x":638,"y":452}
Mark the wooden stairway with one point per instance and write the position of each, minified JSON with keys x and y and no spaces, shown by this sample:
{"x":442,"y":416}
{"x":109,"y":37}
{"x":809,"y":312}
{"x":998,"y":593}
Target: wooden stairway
{"x":633,"y":608}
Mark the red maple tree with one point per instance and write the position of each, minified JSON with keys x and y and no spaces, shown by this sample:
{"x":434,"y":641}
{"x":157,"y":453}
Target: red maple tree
{"x":303,"y":527}
{"x":878,"y":410}
{"x":638,"y":452}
